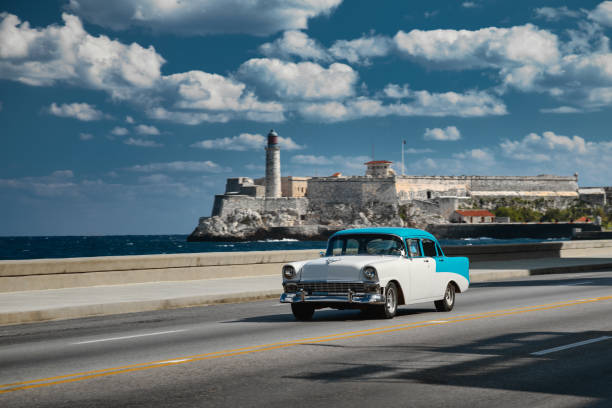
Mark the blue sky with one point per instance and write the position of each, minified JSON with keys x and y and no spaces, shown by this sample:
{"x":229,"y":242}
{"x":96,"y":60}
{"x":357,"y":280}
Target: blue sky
{"x":127,"y":116}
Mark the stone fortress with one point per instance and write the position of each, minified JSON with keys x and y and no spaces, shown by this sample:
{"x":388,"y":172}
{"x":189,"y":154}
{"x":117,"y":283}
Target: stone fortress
{"x":308,"y":207}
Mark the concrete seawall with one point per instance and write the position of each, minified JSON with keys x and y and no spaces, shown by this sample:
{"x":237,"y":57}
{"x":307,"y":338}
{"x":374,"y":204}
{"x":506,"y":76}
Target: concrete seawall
{"x":509,"y":230}
{"x":83,"y":272}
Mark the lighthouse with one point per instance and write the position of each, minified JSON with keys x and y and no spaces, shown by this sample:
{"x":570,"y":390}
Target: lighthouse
{"x":273,"y":171}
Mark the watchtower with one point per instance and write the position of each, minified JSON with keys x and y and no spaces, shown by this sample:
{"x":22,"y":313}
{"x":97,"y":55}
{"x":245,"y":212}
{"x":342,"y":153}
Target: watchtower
{"x":273,"y":170}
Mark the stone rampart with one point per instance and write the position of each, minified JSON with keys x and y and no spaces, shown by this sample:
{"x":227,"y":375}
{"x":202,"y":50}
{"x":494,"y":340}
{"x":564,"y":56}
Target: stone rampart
{"x":428,"y":187}
{"x":352,"y":190}
{"x":227,"y":204}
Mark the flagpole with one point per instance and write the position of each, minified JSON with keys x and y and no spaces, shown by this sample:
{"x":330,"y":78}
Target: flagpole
{"x":403,"y":143}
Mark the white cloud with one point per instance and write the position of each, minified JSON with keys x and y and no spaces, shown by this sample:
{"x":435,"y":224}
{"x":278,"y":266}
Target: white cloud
{"x":129,"y":120}
{"x":602,"y":14}
{"x":450,"y":133}
{"x":155,"y":179}
{"x":46,"y":56}
{"x":551,"y":153}
{"x":556,"y":13}
{"x":482,"y":156}
{"x":119,"y":131}
{"x":534,"y":147}
{"x":201,"y":17}
{"x":311,"y":159}
{"x":294,"y":43}
{"x":245,"y":141}
{"x":304,"y":80}
{"x":58,"y":183}
{"x":67,"y":53}
{"x":418,"y":103}
{"x":85,"y":136}
{"x":526,"y":58}
{"x":561,"y":109}
{"x":181,"y":166}
{"x":147,"y":130}
{"x":198,"y":90}
{"x":469,"y":4}
{"x":141,"y":142}
{"x":490,"y":47}
{"x":412,"y":150}
{"x":80,"y":111}
{"x":397,"y":92}
{"x":362,"y":49}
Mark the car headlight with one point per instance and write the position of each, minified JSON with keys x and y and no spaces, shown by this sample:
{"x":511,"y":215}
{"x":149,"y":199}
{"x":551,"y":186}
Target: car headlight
{"x":369,"y":272}
{"x":288,"y":272}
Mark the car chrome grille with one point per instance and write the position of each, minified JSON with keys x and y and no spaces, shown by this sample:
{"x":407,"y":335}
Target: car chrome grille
{"x":331,"y":287}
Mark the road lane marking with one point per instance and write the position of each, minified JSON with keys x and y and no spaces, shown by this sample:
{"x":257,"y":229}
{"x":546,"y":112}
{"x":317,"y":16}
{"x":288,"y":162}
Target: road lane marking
{"x":569,"y":346}
{"x":69,"y":378}
{"x":438,"y":321}
{"x":181,"y":360}
{"x":129,"y":337}
{"x":578,"y":283}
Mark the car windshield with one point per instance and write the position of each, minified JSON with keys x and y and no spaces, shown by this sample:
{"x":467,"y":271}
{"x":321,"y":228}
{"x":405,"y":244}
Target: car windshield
{"x":365,"y":245}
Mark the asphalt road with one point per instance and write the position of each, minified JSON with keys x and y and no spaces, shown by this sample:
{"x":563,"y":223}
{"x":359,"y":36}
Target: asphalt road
{"x":536,"y":342}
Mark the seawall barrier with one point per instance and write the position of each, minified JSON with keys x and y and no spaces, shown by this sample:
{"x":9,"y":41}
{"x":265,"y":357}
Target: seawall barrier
{"x":509,"y":230}
{"x":39,"y":274}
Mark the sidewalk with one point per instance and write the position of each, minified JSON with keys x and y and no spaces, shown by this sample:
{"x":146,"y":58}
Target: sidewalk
{"x":44,"y":305}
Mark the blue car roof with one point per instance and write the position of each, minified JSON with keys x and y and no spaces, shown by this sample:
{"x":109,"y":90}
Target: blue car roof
{"x":400,"y":232}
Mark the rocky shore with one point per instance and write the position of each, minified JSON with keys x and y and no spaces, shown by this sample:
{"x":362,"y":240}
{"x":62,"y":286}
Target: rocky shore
{"x":318,"y":223}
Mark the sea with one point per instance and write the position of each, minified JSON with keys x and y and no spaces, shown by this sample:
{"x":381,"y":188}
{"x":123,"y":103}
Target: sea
{"x":23,"y":247}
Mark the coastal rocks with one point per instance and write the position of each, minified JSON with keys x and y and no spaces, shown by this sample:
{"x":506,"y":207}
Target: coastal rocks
{"x":318,"y":223}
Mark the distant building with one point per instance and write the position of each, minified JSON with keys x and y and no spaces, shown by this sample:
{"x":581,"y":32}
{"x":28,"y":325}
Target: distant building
{"x":379,"y":168}
{"x":593,"y":195}
{"x":244,"y":186}
{"x":472,"y":216}
{"x":294,"y":186}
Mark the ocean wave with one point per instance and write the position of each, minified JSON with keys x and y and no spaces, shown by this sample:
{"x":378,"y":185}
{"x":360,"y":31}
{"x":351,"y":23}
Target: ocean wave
{"x":278,"y":240}
{"x":476,"y":239}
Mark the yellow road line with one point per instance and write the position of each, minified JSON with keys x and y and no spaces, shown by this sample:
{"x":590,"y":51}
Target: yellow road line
{"x":68,"y":378}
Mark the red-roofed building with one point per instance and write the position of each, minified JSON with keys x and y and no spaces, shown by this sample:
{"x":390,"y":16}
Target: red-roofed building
{"x":472,"y":216}
{"x":379,"y":168}
{"x":583,"y":220}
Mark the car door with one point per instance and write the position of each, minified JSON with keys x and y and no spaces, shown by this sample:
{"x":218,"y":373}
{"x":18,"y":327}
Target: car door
{"x":430,"y":280}
{"x":442,"y":265}
{"x":420,"y":269}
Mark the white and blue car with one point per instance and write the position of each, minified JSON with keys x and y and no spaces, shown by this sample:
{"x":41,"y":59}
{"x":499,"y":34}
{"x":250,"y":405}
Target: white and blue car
{"x":375,"y":269}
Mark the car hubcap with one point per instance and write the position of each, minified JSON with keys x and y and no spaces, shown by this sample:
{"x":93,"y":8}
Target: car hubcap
{"x":449,"y":296}
{"x":390,"y":300}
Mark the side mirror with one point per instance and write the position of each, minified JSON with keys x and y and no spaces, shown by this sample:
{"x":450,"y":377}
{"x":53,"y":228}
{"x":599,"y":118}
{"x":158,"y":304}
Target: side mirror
{"x":322,"y":254}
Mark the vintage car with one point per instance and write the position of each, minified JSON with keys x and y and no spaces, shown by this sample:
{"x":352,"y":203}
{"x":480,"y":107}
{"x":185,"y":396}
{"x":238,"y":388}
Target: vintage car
{"x":375,"y":269}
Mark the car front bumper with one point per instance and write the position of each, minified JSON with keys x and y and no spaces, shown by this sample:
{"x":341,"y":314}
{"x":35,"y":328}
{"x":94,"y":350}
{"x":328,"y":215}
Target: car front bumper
{"x":350,"y":298}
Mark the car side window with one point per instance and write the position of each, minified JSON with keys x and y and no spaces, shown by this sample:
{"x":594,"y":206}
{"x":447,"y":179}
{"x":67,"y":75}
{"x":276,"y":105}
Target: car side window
{"x":414,"y":247}
{"x":337,"y":247}
{"x":440,"y":253}
{"x":429,"y":248}
{"x":352,"y":247}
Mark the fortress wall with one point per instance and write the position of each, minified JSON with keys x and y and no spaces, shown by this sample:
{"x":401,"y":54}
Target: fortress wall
{"x":353,"y":190}
{"x":417,"y":187}
{"x":524,"y":183}
{"x":225,"y":205}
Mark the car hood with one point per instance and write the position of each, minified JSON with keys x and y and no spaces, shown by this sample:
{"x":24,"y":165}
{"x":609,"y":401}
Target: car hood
{"x":340,"y":268}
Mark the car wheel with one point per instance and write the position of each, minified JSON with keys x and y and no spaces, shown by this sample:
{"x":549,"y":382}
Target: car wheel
{"x":446,"y":304}
{"x":302,"y":311}
{"x":389,"y":309}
